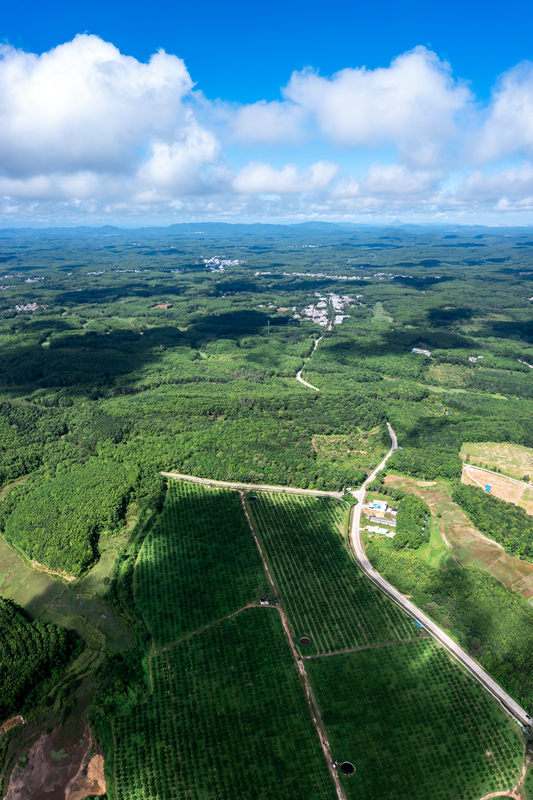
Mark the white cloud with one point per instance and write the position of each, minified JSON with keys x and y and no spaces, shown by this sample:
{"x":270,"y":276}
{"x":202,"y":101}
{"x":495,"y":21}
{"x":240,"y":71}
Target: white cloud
{"x":258,"y":178}
{"x":508,"y":129}
{"x":413,"y":104}
{"x":86,"y":131}
{"x":84,"y":105}
{"x":269,"y":123}
{"x":176,"y":167}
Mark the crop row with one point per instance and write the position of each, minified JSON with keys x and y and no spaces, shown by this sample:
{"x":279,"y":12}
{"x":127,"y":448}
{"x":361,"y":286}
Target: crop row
{"x":429,"y":729}
{"x":227,"y":719}
{"x":198,"y":564}
{"x":325,"y":594}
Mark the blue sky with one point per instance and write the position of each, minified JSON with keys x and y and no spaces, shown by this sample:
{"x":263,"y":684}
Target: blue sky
{"x":415,"y":111}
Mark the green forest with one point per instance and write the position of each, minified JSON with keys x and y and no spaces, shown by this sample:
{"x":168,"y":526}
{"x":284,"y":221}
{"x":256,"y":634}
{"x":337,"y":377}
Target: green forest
{"x":128,"y":353}
{"x":29,"y":653}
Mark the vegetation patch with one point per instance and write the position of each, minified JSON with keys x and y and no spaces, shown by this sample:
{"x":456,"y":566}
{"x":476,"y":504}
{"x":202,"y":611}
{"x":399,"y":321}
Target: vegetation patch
{"x":511,"y":459}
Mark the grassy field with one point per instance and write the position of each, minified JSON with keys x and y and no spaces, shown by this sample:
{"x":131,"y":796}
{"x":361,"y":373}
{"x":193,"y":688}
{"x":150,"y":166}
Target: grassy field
{"x":512,"y":459}
{"x":468,"y":546}
{"x":326,"y":597}
{"x":226,"y":719}
{"x":51,"y":599}
{"x":414,"y":725}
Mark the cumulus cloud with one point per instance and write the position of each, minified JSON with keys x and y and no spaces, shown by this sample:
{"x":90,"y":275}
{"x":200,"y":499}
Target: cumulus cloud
{"x":84,"y":105}
{"x":86,"y":130}
{"x":258,"y":178}
{"x":269,"y":123}
{"x":509,"y":126}
{"x":413,"y":104}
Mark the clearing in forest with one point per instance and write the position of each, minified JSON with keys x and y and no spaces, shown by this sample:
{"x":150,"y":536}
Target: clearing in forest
{"x":360,"y":450}
{"x":512,"y":459}
{"x":500,"y":486}
{"x":468,"y":546}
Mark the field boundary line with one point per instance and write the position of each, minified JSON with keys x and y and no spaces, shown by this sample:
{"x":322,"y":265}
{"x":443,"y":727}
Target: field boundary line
{"x":309,"y":694}
{"x":259,"y":487}
{"x":373,"y":646}
{"x":498,"y":474}
{"x":505,"y":700}
{"x":156,"y":651}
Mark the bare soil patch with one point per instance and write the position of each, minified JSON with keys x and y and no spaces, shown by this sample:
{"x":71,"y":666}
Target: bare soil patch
{"x":501,"y":486}
{"x":55,"y":765}
{"x":89,"y":780}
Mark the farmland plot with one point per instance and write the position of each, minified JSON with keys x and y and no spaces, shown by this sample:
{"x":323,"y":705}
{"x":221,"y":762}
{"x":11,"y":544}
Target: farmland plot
{"x":414,"y":725}
{"x":226,"y":719}
{"x":198,"y":564}
{"x":326,"y":597}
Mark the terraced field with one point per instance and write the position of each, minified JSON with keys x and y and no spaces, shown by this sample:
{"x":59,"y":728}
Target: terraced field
{"x":326,"y":597}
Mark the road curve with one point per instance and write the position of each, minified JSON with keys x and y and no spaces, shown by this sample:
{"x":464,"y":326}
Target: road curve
{"x":254,"y":486}
{"x":505,"y":700}
{"x":299,"y":373}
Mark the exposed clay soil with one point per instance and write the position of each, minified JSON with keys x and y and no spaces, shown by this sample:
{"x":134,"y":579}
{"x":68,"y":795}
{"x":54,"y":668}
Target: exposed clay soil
{"x":89,"y":780}
{"x":55,"y":768}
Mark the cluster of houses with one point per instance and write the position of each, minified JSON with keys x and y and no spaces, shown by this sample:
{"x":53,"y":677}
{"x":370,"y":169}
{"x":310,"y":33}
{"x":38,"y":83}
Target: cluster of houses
{"x":216,"y":264}
{"x":327,"y":310}
{"x":381,"y":516}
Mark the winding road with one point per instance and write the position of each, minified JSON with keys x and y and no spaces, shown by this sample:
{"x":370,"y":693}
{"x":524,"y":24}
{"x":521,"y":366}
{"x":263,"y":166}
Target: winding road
{"x":299,"y":373}
{"x":505,"y":700}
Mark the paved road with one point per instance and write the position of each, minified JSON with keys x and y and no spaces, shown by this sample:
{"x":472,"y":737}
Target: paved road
{"x":254,"y":486}
{"x":512,"y":707}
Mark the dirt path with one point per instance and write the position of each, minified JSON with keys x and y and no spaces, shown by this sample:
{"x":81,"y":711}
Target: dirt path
{"x":259,"y":487}
{"x":299,"y":373}
{"x":373,"y":646}
{"x":157,"y":650}
{"x":309,"y":694}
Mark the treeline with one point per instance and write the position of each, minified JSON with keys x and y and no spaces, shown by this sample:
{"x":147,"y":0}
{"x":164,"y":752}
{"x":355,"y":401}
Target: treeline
{"x":493,"y":624}
{"x":29,"y":652}
{"x":412,"y":523}
{"x":504,"y":522}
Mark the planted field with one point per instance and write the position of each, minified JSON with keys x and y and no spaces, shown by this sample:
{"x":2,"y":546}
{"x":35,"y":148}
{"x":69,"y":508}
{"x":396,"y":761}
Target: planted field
{"x":514,"y":460}
{"x":198,"y":564}
{"x":415,"y":725}
{"x":325,"y":595}
{"x":226,"y":719}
